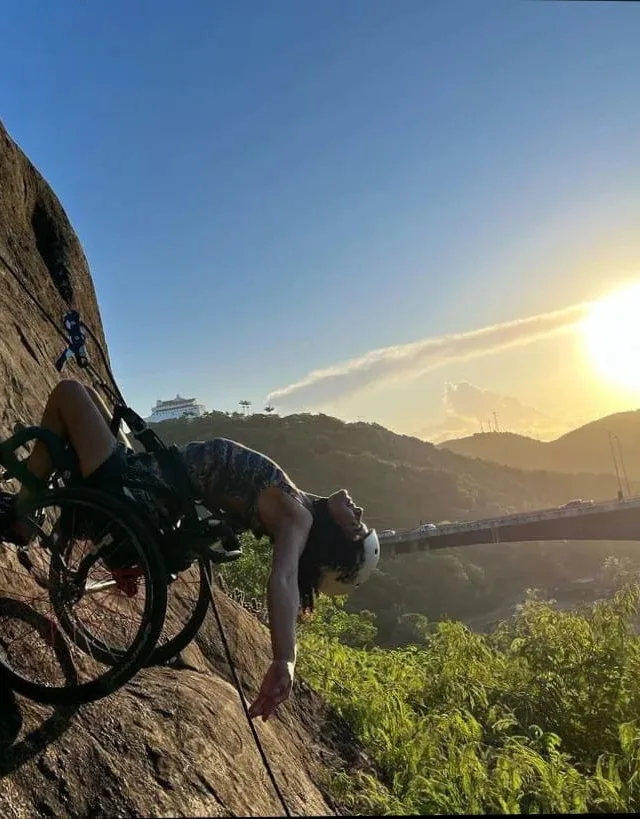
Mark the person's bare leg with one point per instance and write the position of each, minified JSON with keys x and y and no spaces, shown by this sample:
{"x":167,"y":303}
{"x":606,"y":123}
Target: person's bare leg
{"x":104,"y":410}
{"x":72,"y":414}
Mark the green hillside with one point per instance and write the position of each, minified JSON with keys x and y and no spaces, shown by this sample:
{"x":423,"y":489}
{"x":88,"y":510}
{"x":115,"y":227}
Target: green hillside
{"x":505,"y":448}
{"x":585,"y":449}
{"x":538,"y":714}
{"x":401,"y":480}
{"x":398,"y":479}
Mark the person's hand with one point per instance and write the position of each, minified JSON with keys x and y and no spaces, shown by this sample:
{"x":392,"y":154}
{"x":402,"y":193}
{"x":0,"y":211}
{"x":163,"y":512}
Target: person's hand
{"x":275,"y":689}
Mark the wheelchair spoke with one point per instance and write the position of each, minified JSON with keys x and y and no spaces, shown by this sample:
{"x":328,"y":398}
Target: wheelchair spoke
{"x":71,"y":621}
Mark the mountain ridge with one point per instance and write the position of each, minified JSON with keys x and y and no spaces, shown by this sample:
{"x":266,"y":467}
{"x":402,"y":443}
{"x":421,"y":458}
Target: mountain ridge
{"x":398,"y":479}
{"x":588,"y":448}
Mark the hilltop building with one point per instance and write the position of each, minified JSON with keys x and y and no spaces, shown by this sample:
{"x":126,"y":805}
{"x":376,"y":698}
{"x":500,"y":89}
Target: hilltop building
{"x":177,"y":407}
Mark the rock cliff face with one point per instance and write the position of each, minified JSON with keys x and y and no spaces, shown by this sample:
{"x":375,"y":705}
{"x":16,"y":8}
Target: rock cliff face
{"x":40,"y":258}
{"x":172,"y":742}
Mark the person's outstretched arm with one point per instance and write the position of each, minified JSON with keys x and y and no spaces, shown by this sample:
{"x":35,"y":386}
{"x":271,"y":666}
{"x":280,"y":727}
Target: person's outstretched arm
{"x":289,"y":523}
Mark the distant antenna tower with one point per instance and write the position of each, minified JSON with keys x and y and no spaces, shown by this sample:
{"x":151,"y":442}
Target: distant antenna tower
{"x":495,"y":418}
{"x":481,"y":427}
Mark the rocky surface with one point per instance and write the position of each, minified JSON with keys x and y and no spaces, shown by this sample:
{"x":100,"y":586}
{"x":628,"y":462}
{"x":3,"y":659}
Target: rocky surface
{"x":174,"y":741}
{"x":42,"y":270}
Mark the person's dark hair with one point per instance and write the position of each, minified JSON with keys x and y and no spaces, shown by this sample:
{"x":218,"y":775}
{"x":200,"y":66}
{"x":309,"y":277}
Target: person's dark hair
{"x":327,"y":546}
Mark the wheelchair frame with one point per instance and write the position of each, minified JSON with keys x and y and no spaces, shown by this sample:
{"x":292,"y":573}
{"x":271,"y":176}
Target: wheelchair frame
{"x":190,"y":532}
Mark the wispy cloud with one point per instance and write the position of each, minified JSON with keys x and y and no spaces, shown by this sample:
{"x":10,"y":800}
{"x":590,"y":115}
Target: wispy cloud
{"x":468,"y":409}
{"x":410,"y":360}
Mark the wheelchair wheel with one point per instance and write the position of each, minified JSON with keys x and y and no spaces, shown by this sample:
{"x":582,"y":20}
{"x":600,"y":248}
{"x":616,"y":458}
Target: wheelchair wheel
{"x":82,"y":606}
{"x":189,"y":599}
{"x":187,"y":607}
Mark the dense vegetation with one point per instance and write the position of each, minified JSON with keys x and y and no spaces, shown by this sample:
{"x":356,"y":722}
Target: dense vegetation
{"x":481,"y":585}
{"x":540,"y":715}
{"x":537,"y":714}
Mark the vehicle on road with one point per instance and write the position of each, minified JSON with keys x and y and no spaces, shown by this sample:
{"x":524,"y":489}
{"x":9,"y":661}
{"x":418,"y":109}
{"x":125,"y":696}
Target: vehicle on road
{"x":576,"y":503}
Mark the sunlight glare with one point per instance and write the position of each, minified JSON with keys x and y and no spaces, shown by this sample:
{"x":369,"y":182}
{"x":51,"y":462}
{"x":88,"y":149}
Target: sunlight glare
{"x":611,"y":332}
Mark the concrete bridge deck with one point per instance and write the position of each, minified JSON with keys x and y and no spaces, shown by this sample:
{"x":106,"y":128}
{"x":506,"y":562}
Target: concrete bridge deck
{"x":608,"y":520}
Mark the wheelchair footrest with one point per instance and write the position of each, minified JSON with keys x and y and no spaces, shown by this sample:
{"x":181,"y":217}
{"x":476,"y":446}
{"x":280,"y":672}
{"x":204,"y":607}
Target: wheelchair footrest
{"x":208,"y":538}
{"x":223,"y":556}
{"x":202,"y":535}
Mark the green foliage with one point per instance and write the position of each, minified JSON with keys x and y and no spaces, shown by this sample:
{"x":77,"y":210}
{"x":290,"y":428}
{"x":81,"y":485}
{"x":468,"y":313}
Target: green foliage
{"x":540,"y":716}
{"x":330,"y":621}
{"x":482,"y":584}
{"x":251,"y":572}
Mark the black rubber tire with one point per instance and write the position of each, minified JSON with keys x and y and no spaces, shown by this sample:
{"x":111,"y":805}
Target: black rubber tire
{"x":164,"y":652}
{"x":123,"y":508}
{"x":128,"y":663}
{"x":167,"y":651}
{"x":161,"y":654}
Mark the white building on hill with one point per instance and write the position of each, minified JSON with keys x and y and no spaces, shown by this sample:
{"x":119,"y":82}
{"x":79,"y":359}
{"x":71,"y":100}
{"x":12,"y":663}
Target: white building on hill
{"x":177,"y":407}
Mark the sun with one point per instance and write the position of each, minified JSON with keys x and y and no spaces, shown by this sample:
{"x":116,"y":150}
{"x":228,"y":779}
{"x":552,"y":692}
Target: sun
{"x":611,"y":332}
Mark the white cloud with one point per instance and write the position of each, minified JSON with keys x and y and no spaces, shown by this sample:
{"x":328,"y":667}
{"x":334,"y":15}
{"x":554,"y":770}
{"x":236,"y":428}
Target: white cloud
{"x":407,"y":361}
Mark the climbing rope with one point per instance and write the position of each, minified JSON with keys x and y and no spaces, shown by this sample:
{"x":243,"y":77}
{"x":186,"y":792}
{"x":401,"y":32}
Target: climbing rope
{"x":36,"y":301}
{"x":238,"y":685}
{"x":236,"y":680}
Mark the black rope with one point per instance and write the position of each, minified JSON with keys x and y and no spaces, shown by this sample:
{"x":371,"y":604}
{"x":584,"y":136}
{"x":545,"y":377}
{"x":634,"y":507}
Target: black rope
{"x":118,"y":394}
{"x":36,"y":301}
{"x":238,"y":685}
{"x":54,"y":324}
{"x":105,"y":363}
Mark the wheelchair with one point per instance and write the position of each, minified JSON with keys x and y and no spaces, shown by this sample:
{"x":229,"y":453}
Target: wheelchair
{"x":84,"y":601}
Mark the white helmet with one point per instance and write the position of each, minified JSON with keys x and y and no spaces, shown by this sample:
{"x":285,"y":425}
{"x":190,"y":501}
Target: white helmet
{"x":335,"y":582}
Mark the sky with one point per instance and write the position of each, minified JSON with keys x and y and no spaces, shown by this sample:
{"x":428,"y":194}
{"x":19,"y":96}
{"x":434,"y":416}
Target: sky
{"x":386,"y":211}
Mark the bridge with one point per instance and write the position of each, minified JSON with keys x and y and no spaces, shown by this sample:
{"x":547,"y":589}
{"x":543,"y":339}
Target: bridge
{"x":608,"y":520}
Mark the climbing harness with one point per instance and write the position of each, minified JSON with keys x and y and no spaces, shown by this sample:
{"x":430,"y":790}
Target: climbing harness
{"x":170,"y":462}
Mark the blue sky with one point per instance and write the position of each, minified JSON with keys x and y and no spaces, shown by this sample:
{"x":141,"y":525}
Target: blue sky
{"x":266,"y":188}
